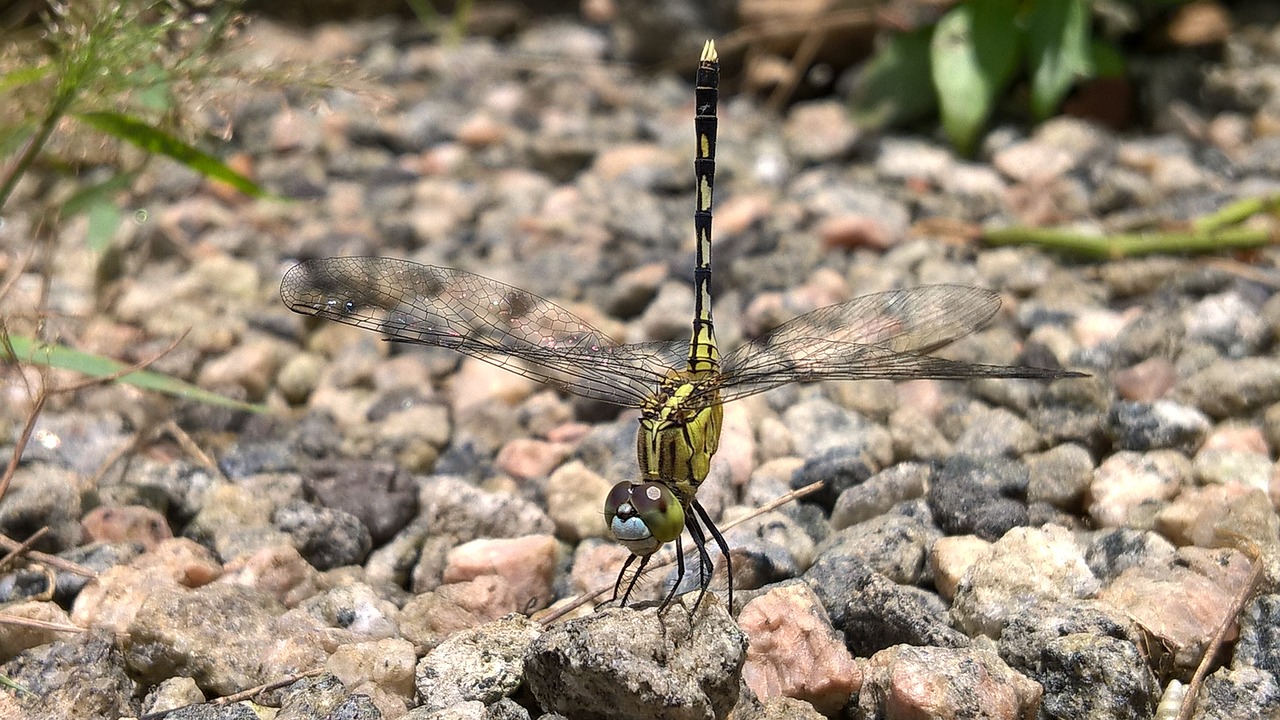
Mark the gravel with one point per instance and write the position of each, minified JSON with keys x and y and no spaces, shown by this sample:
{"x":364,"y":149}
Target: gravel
{"x":400,"y":518}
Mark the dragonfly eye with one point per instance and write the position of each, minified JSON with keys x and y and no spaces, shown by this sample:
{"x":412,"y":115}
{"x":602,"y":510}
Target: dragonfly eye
{"x":651,"y":503}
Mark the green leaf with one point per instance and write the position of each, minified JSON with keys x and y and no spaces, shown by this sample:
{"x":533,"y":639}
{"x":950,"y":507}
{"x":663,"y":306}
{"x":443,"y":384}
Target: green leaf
{"x":895,"y":86}
{"x":974,"y":52}
{"x":1058,"y":51}
{"x":104,"y":218}
{"x":65,"y":358}
{"x":159,"y":142}
{"x":1108,"y":62}
{"x":86,"y":198}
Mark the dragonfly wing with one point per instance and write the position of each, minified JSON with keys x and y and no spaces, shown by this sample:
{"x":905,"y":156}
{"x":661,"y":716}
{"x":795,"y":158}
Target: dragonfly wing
{"x":883,"y":335}
{"x":476,"y":316}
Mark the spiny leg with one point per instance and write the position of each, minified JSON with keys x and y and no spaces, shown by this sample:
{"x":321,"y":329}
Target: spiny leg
{"x":679,"y":576}
{"x":724,"y":548}
{"x":705,"y":565}
{"x":617,"y":585}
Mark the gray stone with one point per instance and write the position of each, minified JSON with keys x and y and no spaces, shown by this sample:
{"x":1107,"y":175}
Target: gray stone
{"x":82,"y":676}
{"x":484,"y":664}
{"x":327,"y":538}
{"x":623,"y":663}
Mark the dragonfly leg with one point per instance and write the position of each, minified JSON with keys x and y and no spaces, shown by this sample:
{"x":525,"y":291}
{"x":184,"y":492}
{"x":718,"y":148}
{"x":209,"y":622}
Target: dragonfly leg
{"x":724,"y":548}
{"x":644,"y":560}
{"x":617,"y":585}
{"x":705,"y":565}
{"x":679,"y":575}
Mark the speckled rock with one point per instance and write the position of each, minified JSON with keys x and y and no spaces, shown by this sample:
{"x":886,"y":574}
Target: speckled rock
{"x":921,"y":681}
{"x":485,"y":664}
{"x":215,"y":632}
{"x":794,"y":652}
{"x":624,"y":663}
{"x":1026,"y":566}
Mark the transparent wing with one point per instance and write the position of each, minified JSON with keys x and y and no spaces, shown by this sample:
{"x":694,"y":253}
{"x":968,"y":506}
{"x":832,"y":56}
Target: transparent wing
{"x":483,"y":318}
{"x":882,"y":335}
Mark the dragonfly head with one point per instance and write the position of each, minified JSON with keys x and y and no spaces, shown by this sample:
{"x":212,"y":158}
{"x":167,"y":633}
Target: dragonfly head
{"x":643,"y":516}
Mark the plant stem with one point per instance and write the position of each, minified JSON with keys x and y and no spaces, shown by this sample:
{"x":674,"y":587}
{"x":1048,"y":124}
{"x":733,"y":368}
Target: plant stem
{"x":1107,"y":247}
{"x":29,"y":152}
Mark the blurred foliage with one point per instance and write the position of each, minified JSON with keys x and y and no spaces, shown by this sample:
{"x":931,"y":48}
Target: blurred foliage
{"x":962,"y":67}
{"x":125,"y":70}
{"x":82,"y":80}
{"x":451,"y":29}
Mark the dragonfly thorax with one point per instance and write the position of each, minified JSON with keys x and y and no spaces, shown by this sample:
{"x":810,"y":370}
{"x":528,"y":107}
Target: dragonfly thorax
{"x":679,"y":432}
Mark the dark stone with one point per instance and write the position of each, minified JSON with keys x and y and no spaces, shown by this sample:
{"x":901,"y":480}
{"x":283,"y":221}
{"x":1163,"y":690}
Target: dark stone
{"x":327,"y":538}
{"x":980,"y":496}
{"x":82,"y":676}
{"x":876,"y":613}
{"x":384,"y":498}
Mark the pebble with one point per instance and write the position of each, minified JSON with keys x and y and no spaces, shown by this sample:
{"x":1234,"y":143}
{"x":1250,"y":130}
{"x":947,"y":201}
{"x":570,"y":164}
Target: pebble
{"x":894,"y":544}
{"x":484,"y":664}
{"x":1055,"y":643}
{"x":355,"y":608}
{"x":819,"y":131}
{"x":214,"y":631}
{"x":1032,"y":162}
{"x":1025,"y":566}
{"x":279,"y":571}
{"x":327,"y":538}
{"x":1146,"y":381}
{"x":1229,"y":388}
{"x":880,"y":492}
{"x":1180,"y":605}
{"x":78,"y":676}
{"x":976,"y":496}
{"x":876,"y":613}
{"x":428,"y":618}
{"x":1128,"y":484}
{"x":42,"y":495}
{"x":1111,"y":552}
{"x":1161,"y":424}
{"x":173,"y":693}
{"x":1060,"y":476}
{"x":574,"y":503}
{"x":129,"y":523}
{"x":78,"y":441}
{"x":997,"y":432}
{"x":794,"y":652}
{"x":15,"y":638}
{"x":527,"y":564}
{"x":1231,"y":515}
{"x":769,"y":548}
{"x":527,"y":459}
{"x":625,"y":664}
{"x":945,"y":682}
{"x":950,"y":557}
{"x":382,"y":496}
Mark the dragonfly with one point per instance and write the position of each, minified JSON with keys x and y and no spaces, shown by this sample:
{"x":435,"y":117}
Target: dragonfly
{"x":678,"y":386}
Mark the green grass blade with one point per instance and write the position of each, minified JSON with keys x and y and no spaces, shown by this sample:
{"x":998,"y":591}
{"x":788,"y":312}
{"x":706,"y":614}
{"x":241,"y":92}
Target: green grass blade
{"x":6,"y":681}
{"x":23,"y":76}
{"x":158,"y":142}
{"x":65,"y":358}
